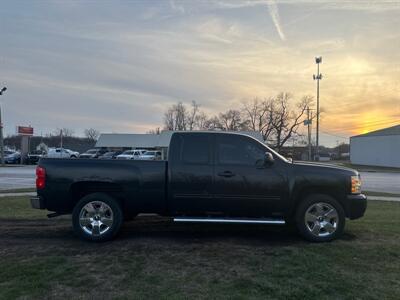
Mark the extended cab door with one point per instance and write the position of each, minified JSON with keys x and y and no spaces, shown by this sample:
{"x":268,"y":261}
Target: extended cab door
{"x":190,"y":173}
{"x":243,"y":185}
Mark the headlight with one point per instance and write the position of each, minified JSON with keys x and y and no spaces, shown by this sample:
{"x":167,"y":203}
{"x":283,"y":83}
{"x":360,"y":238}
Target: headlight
{"x":355,"y":184}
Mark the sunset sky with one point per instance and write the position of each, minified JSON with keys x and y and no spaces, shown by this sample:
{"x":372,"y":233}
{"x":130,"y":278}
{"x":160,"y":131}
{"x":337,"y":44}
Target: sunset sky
{"x":117,"y":65}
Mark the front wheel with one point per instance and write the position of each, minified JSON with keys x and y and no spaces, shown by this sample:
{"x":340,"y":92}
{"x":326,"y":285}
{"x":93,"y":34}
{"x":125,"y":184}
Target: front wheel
{"x":320,"y":218}
{"x":97,"y":217}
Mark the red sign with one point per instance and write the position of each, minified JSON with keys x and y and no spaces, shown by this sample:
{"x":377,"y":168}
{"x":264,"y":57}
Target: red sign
{"x":25,"y":130}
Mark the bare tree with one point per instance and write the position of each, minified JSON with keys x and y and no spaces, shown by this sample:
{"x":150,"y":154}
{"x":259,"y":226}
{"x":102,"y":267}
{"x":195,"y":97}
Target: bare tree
{"x":179,"y":117}
{"x":169,"y":121}
{"x":201,"y":121}
{"x":66,"y":132}
{"x":175,"y":118}
{"x":275,"y":118}
{"x":92,"y":134}
{"x":213,"y":123}
{"x":259,"y":116}
{"x":231,"y":120}
{"x":192,"y":115}
{"x":286,"y":122}
{"x":154,"y":131}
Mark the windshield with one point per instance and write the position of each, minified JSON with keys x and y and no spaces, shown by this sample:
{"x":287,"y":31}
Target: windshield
{"x":128,"y":152}
{"x":92,"y":151}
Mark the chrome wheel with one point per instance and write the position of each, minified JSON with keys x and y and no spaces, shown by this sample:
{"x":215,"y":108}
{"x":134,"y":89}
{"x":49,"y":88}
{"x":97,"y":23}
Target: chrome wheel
{"x":96,"y":218}
{"x":321,"y":219}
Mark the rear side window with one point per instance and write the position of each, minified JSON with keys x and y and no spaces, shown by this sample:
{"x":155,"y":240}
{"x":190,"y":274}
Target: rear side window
{"x":195,"y":149}
{"x":235,"y":150}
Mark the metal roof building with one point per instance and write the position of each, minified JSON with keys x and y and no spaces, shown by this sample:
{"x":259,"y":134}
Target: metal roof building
{"x":377,"y":148}
{"x":127,"y":140}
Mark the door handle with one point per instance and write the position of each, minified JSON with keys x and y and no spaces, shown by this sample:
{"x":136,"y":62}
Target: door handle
{"x":226,"y":174}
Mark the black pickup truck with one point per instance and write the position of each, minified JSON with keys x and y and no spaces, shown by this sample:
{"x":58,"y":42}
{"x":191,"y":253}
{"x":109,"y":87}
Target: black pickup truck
{"x":208,"y":177}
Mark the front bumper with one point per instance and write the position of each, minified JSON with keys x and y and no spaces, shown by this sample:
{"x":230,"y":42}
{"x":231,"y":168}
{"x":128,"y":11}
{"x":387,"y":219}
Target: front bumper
{"x":37,"y":202}
{"x":357,"y":205}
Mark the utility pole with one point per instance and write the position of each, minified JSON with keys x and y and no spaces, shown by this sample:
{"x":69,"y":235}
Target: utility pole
{"x":308,"y":122}
{"x":309,"y":133}
{"x":61,"y":139}
{"x":1,"y":131}
{"x":317,"y":77}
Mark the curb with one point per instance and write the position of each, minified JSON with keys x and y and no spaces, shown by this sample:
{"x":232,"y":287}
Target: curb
{"x":383,"y":198}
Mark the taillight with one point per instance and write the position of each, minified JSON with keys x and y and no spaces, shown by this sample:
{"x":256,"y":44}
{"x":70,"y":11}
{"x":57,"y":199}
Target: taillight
{"x":40,"y":177}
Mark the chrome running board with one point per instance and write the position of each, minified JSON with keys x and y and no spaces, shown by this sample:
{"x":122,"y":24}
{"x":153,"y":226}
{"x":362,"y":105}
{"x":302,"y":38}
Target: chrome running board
{"x":226,"y":220}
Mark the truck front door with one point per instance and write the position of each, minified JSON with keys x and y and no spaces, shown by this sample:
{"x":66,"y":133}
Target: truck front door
{"x":243,"y":185}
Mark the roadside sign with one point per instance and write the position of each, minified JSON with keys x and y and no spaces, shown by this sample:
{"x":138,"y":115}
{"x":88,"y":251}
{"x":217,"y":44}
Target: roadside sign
{"x":24,"y":130}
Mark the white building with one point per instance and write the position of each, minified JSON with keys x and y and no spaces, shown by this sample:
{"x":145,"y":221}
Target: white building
{"x":377,"y":148}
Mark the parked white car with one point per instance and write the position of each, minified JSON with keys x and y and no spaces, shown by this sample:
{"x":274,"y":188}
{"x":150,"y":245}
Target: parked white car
{"x":62,"y":153}
{"x":131,"y":154}
{"x":151,"y":155}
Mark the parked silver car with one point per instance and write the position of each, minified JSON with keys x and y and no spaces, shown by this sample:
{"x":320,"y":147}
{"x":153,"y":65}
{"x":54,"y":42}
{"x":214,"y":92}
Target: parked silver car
{"x":62,"y":153}
{"x":131,"y":154}
{"x":151,"y":155}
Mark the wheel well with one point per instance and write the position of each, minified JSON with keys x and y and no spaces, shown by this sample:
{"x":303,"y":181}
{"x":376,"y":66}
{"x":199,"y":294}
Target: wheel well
{"x":81,"y":189}
{"x":315,"y":190}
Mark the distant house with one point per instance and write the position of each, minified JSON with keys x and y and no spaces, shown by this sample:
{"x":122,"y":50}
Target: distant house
{"x":377,"y":148}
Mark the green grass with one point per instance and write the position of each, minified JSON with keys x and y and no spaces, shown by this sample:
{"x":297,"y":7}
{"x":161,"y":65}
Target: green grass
{"x":156,"y":259}
{"x":19,"y":208}
{"x":23,"y":190}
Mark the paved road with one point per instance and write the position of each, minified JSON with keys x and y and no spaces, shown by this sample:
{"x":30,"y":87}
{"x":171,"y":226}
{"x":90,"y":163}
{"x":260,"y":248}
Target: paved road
{"x":381,"y":182}
{"x":24,"y":177}
{"x":17,"y":177}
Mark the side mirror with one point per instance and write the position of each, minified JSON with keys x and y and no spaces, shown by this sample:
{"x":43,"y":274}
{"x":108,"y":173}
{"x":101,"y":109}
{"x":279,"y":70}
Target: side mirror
{"x":268,"y":159}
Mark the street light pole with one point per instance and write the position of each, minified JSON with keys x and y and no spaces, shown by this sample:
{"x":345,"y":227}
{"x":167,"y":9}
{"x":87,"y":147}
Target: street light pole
{"x":1,"y":131}
{"x":317,"y":77}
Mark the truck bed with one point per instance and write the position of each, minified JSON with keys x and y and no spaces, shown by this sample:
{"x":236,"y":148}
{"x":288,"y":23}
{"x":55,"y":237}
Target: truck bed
{"x":142,"y":184}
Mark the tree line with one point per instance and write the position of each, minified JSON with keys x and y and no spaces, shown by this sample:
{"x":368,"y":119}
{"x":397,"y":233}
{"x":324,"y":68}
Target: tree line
{"x":277,"y":118}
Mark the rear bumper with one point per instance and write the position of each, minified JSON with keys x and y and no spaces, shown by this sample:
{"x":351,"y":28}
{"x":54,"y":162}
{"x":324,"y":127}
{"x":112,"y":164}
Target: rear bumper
{"x":37,"y":202}
{"x":357,"y":205}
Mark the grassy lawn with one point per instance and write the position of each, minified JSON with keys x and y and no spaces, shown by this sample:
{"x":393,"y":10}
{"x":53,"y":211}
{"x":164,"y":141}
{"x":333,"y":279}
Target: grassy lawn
{"x":23,"y":190}
{"x":155,"y":258}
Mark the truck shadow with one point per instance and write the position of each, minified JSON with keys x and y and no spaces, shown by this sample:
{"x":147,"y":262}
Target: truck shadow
{"x":164,"y":228}
{"x":156,"y":232}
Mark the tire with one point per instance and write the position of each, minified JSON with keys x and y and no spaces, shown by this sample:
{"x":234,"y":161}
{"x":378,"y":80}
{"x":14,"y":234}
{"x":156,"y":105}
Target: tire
{"x":320,"y":218}
{"x":97,"y":217}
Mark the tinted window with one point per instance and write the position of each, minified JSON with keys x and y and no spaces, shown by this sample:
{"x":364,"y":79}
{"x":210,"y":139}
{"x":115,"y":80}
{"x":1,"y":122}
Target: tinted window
{"x":234,"y":150}
{"x":194,"y":149}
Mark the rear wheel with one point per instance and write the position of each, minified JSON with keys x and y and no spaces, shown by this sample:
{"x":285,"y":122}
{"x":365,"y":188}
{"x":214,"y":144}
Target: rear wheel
{"x":97,"y":217}
{"x":320,"y":218}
